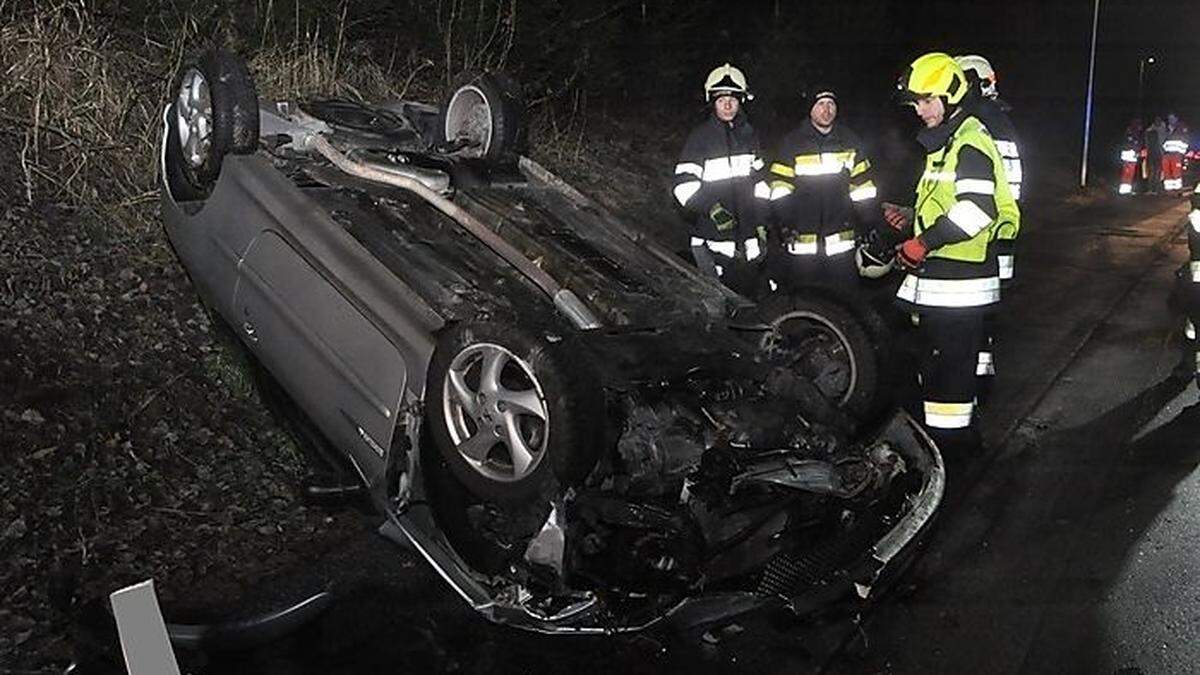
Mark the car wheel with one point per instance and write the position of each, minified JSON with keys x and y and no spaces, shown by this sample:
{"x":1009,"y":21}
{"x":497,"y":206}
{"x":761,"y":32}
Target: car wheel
{"x":512,"y":415}
{"x":484,"y":117}
{"x":214,"y":113}
{"x":826,"y":344}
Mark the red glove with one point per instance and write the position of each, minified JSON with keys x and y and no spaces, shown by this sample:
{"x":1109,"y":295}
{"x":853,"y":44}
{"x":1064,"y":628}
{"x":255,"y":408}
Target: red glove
{"x":895,"y":218}
{"x":912,"y":253}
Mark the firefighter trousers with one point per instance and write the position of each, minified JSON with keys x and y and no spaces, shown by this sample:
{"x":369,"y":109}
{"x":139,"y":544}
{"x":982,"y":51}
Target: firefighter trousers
{"x":950,"y":343}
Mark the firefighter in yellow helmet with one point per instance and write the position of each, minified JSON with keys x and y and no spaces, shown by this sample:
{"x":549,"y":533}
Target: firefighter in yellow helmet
{"x":715,"y":185}
{"x":952,"y":273}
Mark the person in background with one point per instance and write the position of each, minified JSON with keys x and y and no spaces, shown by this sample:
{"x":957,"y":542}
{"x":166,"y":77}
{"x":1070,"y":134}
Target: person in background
{"x":1155,"y":135}
{"x":715,"y":181}
{"x":1174,"y":147}
{"x":1132,"y":151}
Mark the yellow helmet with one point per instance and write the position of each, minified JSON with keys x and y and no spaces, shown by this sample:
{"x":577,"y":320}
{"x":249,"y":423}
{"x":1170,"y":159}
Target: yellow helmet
{"x":726,"y":79}
{"x":934,"y":74}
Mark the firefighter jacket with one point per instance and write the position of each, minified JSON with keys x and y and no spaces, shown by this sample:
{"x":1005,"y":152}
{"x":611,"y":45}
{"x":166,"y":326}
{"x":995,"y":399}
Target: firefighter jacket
{"x":959,"y":200}
{"x":821,"y":184}
{"x":715,"y":180}
{"x":1176,"y":139}
{"x":995,"y":117}
{"x":1194,"y":235}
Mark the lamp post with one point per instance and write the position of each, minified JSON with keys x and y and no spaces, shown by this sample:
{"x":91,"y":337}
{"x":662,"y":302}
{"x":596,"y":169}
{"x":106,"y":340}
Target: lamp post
{"x":1142,"y":78}
{"x":1087,"y":115}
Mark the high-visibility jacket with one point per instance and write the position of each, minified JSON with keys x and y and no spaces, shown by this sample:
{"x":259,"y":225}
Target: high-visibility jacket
{"x":822,"y":184}
{"x":1176,"y":140}
{"x":995,"y":117}
{"x":715,"y":180}
{"x":959,"y":198}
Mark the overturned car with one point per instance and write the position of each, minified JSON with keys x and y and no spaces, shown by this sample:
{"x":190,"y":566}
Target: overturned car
{"x":576,"y":430}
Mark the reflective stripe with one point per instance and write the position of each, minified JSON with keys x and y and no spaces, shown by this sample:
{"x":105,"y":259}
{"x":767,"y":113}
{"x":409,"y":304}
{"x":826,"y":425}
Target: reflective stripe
{"x":860,"y":168}
{"x":948,"y":415}
{"x":725,"y":248}
{"x":950,"y":292}
{"x":1195,"y":267}
{"x":803,"y":244}
{"x":984,"y":366}
{"x":976,"y":186}
{"x":782,"y":170}
{"x":968,"y":217}
{"x":1015,"y":190}
{"x":724,"y":168}
{"x":720,"y":270}
{"x":685,"y":191}
{"x":757,"y":164}
{"x":1173,"y":184}
{"x":753,"y":250}
{"x":1007,"y":148}
{"x":1013,"y":171}
{"x":1129,"y":156}
{"x":689,"y":167}
{"x":1125,"y":189}
{"x":939,"y":176}
{"x":823,"y":164}
{"x":762,"y":190}
{"x":1189,"y":330}
{"x":863,"y":192}
{"x":779,"y":190}
{"x":1175,"y":145}
{"x":839,"y":242}
{"x":1006,"y":266}
{"x":774,"y":286}
{"x":1194,"y":219}
{"x":1198,"y":363}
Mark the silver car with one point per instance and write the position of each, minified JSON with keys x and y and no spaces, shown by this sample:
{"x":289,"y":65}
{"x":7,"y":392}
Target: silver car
{"x":575,"y":429}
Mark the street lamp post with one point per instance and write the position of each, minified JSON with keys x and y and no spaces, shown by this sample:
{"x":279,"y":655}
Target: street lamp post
{"x":1142,"y":78}
{"x":1087,"y":115}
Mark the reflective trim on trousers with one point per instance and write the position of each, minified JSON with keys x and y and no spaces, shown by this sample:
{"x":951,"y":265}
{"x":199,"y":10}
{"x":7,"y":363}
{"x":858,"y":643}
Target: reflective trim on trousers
{"x":950,"y":292}
{"x":1125,"y":189}
{"x":1194,"y":266}
{"x":1194,"y":219}
{"x":1172,"y":183}
{"x":1189,"y":330}
{"x":985,"y":366}
{"x":1007,"y":265}
{"x":729,"y":248}
{"x":948,"y":415}
{"x":1129,"y":156}
{"x":1175,"y":146}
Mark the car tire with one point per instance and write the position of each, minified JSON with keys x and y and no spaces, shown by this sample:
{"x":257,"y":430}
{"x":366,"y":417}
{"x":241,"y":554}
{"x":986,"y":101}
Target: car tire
{"x":483,"y":118}
{"x":846,"y":367}
{"x":514,"y":417}
{"x":214,"y":114}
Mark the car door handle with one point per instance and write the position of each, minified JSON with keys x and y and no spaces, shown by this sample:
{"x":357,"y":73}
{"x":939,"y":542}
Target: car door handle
{"x":248,"y":329}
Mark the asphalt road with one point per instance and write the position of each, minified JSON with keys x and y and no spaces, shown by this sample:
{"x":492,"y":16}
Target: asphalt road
{"x":1066,"y":549}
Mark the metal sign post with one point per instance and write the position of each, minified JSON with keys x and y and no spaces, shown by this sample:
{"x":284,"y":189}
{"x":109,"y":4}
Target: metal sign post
{"x":1087,"y":115}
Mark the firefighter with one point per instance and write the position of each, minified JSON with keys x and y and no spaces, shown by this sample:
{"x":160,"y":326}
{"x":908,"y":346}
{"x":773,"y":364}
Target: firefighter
{"x":823,"y":198}
{"x":953,"y":276}
{"x":1132,"y":152}
{"x":1174,"y":147}
{"x":715,"y":182}
{"x":983,"y":101}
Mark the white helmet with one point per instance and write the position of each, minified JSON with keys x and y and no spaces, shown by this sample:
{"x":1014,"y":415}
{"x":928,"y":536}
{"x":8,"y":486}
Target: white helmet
{"x":869,"y":266}
{"x":983,"y":69}
{"x":726,"y":79}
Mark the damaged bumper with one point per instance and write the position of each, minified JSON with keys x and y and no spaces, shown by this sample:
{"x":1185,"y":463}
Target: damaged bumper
{"x":861,"y":579}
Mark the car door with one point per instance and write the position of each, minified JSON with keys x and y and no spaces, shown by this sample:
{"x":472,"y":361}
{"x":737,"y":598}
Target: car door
{"x":341,"y":370}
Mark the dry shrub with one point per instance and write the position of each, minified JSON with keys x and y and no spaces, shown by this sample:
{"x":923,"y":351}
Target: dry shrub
{"x":82,"y":100}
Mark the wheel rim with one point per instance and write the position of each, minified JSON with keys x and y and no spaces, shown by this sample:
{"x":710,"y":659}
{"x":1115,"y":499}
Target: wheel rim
{"x":810,"y":335}
{"x":496,"y":412}
{"x":194,"y":117}
{"x":469,"y":117}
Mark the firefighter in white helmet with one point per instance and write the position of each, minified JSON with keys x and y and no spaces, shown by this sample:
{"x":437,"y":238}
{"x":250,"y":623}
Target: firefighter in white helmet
{"x":715,"y":185}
